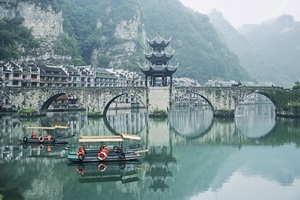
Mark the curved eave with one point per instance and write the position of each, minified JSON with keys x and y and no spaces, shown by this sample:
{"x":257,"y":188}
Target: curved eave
{"x":145,"y":69}
{"x":166,"y":70}
{"x":159,"y":41}
{"x":162,"y":56}
{"x":171,"y":68}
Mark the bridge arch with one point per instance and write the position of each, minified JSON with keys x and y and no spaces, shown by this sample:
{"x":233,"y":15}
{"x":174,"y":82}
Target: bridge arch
{"x":265,"y":94}
{"x":198,"y":94}
{"x":48,"y":102}
{"x":117,"y":96}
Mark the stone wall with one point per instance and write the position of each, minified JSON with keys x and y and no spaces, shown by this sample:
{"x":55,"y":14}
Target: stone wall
{"x":158,"y":98}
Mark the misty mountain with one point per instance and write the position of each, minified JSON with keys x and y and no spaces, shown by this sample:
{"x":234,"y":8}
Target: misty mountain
{"x":269,"y":51}
{"x":201,"y":54}
{"x":112,"y":33}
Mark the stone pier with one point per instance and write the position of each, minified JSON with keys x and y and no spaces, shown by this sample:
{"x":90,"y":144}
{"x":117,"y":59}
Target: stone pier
{"x":159,"y":98}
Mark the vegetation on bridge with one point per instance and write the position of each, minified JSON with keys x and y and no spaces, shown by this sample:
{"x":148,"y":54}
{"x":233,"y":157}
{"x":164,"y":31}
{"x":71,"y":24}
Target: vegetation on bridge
{"x":94,"y":114}
{"x":158,"y":113}
{"x":28,"y":112}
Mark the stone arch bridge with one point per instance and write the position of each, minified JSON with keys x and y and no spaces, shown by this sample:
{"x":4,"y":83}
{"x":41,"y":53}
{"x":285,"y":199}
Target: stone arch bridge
{"x":223,"y":100}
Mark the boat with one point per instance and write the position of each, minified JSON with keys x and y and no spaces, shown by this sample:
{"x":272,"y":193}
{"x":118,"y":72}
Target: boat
{"x":117,"y":151}
{"x":48,"y":139}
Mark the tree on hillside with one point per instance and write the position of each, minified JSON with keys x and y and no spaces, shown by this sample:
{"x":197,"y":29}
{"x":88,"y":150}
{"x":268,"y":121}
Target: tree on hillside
{"x":15,"y":39}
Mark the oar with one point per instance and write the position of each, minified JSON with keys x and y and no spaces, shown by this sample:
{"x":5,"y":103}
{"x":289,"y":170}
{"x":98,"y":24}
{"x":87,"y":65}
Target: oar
{"x":142,"y":168}
{"x":142,"y":151}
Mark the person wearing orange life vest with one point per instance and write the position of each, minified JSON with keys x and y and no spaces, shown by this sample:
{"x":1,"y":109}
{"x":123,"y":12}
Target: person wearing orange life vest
{"x":81,"y":152}
{"x":49,"y":137}
{"x":33,"y":135}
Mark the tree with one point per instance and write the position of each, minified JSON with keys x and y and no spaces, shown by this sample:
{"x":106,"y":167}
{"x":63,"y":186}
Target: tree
{"x":15,"y":39}
{"x":296,"y":86}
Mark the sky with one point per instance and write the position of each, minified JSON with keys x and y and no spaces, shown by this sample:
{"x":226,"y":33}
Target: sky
{"x":240,"y":12}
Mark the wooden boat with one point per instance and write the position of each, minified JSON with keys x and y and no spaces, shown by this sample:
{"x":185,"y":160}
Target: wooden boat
{"x":105,"y":153}
{"x":49,"y":139}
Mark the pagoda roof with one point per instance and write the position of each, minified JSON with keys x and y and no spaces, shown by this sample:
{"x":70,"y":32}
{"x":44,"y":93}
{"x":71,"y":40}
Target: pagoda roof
{"x":162,"y":56}
{"x":159,"y":69}
{"x":159,"y":41}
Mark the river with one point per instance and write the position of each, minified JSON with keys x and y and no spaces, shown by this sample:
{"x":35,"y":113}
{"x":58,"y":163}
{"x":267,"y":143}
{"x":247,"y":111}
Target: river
{"x":192,"y":155}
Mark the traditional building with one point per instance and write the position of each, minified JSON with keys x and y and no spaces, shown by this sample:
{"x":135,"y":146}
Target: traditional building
{"x":158,"y":65}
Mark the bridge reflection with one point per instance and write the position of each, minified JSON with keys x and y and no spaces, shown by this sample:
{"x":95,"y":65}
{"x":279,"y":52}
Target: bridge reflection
{"x":171,"y":144}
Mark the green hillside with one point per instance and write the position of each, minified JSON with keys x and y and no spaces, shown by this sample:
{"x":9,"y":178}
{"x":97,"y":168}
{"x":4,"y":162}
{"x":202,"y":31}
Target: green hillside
{"x":200,"y":52}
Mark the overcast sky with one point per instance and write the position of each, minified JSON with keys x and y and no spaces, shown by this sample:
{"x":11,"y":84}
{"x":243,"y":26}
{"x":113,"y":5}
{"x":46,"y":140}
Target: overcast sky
{"x":240,"y":12}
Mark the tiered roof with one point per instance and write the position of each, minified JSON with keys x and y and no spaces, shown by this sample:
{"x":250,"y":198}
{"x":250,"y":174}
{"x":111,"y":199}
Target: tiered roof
{"x":158,"y":58}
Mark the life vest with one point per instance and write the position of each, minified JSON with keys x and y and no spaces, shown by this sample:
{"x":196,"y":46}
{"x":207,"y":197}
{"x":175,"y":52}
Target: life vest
{"x":49,"y":137}
{"x":81,"y":151}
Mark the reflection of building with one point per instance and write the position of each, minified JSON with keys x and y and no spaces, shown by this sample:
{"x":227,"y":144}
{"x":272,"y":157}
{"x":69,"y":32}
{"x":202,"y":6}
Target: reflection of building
{"x":65,"y":102}
{"x":9,"y":153}
{"x":159,"y":158}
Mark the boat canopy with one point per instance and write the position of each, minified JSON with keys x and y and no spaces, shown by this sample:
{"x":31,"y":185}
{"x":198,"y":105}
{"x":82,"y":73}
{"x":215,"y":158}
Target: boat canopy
{"x":47,"y":128}
{"x":130,"y":136}
{"x":119,"y":138}
{"x":101,"y":139}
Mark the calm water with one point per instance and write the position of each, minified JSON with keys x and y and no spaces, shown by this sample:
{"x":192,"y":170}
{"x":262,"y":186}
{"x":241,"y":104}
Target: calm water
{"x":192,"y":156}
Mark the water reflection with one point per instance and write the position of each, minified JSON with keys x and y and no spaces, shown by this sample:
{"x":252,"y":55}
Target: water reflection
{"x":125,"y":172}
{"x":209,"y":157}
{"x":255,"y":120}
{"x":131,"y":121}
{"x":191,"y":122}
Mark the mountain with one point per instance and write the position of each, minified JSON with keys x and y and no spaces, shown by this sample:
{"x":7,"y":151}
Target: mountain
{"x":112,"y":33}
{"x":269,"y":51}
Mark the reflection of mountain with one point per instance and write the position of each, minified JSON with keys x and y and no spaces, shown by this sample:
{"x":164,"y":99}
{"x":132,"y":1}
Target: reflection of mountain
{"x":267,"y":164}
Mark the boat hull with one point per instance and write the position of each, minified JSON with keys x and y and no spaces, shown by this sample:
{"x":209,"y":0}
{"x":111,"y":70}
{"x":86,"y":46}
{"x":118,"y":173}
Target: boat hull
{"x":92,"y":156}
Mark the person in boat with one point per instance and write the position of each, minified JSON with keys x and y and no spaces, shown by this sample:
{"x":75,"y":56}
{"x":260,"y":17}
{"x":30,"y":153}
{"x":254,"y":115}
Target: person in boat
{"x":102,"y":147}
{"x":33,"y":135}
{"x":49,"y":137}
